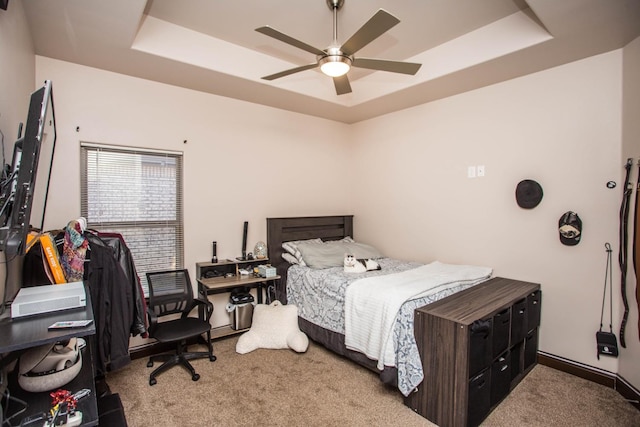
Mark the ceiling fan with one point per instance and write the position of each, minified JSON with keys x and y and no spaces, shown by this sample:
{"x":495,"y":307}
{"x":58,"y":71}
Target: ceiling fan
{"x":336,"y":60}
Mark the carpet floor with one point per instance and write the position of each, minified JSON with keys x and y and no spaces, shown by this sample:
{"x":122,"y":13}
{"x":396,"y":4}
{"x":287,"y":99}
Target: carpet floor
{"x":318,"y":388}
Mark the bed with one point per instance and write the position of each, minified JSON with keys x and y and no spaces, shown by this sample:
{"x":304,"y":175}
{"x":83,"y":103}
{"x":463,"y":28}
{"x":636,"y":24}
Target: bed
{"x":325,"y":305}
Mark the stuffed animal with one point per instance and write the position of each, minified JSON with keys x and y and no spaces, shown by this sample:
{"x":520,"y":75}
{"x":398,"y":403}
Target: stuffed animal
{"x":353,"y":265}
{"x":273,"y":326}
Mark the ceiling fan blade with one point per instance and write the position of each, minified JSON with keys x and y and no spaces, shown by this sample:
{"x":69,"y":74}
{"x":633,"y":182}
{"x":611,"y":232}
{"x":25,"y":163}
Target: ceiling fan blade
{"x":379,"y":23}
{"x":342,"y":85}
{"x":385,"y":65}
{"x":291,"y":71}
{"x":272,"y":32}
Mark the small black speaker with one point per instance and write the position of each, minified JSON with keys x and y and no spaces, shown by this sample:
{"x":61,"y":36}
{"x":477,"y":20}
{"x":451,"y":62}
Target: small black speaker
{"x":214,"y":256}
{"x":244,"y":240}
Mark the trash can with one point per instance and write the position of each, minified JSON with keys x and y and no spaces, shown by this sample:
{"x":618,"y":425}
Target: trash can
{"x":240,"y":309}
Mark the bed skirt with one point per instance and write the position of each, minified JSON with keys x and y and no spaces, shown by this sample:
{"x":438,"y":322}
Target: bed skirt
{"x":335,"y":342}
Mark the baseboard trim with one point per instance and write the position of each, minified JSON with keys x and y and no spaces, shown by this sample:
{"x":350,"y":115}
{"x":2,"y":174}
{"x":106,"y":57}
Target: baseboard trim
{"x":594,"y":374}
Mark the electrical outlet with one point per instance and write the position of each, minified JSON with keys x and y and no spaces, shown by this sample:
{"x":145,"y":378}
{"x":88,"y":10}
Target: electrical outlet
{"x":471,"y":172}
{"x":480,"y":170}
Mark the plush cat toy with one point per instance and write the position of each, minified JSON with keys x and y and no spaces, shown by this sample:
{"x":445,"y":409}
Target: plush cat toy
{"x":353,"y":265}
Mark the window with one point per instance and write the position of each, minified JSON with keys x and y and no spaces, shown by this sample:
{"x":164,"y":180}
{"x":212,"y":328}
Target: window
{"x":137,"y":193}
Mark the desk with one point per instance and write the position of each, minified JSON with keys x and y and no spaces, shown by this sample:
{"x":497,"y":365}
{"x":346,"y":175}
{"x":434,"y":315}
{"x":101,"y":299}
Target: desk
{"x":218,"y":285}
{"x":18,"y":335}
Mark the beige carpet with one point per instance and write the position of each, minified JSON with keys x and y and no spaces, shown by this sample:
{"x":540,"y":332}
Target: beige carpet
{"x":318,"y":388}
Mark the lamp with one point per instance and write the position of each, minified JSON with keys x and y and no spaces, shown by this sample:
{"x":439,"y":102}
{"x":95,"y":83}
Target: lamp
{"x":335,"y":65}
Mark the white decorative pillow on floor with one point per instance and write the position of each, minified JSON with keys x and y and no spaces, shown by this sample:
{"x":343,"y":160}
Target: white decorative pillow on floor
{"x":273,"y":326}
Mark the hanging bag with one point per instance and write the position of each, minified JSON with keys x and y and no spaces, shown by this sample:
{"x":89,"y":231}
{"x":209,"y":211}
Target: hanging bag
{"x":607,"y":342}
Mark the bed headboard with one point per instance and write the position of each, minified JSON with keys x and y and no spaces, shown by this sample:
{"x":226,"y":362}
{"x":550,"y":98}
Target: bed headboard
{"x":281,"y":230}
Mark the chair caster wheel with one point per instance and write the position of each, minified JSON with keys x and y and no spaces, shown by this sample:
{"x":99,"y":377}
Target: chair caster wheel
{"x":149,"y":364}
{"x":212,"y":358}
{"x":153,"y":381}
{"x":195,"y":377}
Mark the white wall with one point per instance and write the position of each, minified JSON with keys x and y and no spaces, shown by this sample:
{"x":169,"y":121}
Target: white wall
{"x":17,"y":74}
{"x":631,"y":148}
{"x":242,"y":162}
{"x":407,"y":173}
{"x":561,"y":127}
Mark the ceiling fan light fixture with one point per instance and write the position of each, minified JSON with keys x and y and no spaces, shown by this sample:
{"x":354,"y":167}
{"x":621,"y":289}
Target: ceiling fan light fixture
{"x":335,"y":65}
{"x":336,"y":60}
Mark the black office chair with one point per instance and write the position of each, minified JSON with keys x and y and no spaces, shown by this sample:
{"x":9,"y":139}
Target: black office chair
{"x":170,"y":293}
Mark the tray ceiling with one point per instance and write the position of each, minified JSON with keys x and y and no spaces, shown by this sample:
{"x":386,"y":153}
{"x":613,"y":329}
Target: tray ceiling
{"x":211,"y":46}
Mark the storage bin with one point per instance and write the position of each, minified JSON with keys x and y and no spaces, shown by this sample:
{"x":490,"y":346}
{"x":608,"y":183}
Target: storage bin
{"x":530,"y":349}
{"x":479,"y":398}
{"x":533,"y":306}
{"x":501,"y":331}
{"x":519,"y":321}
{"x":480,"y":346}
{"x":500,"y":378}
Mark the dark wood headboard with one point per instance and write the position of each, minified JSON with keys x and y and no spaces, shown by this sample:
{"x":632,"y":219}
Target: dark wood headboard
{"x":280,"y":230}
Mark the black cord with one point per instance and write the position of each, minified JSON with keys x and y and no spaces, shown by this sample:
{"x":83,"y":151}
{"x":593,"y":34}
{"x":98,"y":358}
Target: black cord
{"x":2,"y":145}
{"x":635,"y":254}
{"x":8,"y":398}
{"x":607,"y":277}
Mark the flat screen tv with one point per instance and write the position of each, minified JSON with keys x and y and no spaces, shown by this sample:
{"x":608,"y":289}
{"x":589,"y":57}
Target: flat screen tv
{"x":25,"y":187}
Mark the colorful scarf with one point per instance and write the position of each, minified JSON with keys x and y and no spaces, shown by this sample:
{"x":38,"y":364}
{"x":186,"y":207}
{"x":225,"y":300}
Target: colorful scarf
{"x":74,"y":251}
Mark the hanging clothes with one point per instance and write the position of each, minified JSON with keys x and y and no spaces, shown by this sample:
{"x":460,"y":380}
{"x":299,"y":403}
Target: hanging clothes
{"x":125,"y":259}
{"x":113,"y":287}
{"x":113,"y":306}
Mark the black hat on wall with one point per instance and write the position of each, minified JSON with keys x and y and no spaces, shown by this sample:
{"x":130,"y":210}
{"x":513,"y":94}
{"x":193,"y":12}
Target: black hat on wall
{"x":570,"y":228}
{"x":528,"y":194}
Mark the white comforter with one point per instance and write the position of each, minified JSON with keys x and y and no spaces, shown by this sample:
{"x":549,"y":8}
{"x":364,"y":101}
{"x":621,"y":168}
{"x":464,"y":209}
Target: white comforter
{"x":371,"y":304}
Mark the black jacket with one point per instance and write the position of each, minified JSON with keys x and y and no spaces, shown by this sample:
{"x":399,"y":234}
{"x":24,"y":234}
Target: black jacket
{"x":125,"y":259}
{"x":113,"y":306}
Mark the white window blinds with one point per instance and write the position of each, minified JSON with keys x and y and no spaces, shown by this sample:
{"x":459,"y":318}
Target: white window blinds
{"x":137,"y":193}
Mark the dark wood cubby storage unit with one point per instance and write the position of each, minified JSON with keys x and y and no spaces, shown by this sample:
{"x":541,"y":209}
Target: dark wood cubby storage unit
{"x":476,"y":346}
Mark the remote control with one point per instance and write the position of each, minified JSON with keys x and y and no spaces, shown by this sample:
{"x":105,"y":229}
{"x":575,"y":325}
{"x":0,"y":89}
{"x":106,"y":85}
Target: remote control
{"x":71,"y":324}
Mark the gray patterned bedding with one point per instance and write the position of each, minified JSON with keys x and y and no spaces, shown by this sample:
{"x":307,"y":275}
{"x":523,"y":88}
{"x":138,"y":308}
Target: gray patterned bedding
{"x":319,"y":295}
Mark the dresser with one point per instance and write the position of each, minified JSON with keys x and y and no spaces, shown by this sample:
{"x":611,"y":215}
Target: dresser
{"x":475,"y":347}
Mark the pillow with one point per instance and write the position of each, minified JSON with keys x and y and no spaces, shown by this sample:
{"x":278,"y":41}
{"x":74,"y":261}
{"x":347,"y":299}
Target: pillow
{"x":289,"y":258}
{"x":292,"y":248}
{"x":331,"y":253}
{"x":273,"y":326}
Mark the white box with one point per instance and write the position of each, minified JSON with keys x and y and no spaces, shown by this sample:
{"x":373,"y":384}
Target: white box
{"x":266,"y":271}
{"x":48,"y":298}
